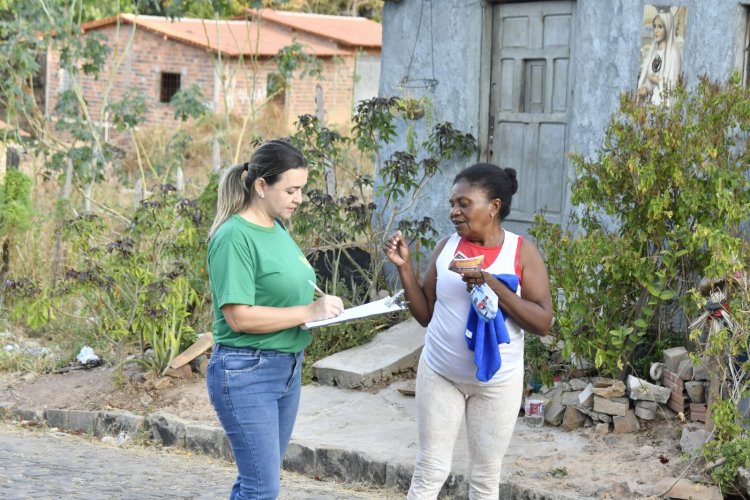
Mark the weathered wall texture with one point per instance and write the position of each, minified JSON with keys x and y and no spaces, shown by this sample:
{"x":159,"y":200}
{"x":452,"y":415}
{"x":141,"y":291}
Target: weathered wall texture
{"x":605,"y":60}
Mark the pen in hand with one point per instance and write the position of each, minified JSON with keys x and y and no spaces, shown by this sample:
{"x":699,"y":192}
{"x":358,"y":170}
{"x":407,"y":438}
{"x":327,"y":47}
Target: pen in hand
{"x":330,"y":305}
{"x":315,"y":287}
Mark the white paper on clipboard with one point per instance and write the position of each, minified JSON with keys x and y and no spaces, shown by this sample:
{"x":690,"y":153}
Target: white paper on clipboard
{"x":382,"y":306}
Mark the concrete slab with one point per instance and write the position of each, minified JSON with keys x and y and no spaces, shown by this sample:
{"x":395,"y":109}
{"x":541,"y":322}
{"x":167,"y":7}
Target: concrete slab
{"x":380,"y":428}
{"x":326,"y":420}
{"x":393,"y":351}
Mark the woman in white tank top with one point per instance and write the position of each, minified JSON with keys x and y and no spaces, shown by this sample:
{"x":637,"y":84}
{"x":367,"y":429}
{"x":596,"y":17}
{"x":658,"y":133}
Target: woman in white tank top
{"x":447,"y":386}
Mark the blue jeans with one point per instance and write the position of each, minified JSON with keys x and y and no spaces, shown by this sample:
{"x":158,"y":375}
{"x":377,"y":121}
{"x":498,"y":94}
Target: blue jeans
{"x":256,"y":395}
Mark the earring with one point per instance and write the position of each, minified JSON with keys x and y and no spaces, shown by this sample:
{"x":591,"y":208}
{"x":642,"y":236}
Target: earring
{"x":262,"y":195}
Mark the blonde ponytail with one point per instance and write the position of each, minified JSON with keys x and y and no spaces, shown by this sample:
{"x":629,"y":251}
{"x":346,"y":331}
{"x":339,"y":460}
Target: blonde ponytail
{"x":268,"y":162}
{"x":233,"y":195}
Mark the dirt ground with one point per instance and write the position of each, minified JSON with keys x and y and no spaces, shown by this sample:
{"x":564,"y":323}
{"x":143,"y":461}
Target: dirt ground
{"x":98,"y":389}
{"x":556,"y":461}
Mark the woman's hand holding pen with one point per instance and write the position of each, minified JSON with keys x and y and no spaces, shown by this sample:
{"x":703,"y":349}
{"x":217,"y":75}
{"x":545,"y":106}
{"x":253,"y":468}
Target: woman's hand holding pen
{"x":326,"y":306}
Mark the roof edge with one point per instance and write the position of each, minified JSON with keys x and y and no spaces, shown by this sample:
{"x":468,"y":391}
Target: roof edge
{"x":133,"y":20}
{"x":251,"y":12}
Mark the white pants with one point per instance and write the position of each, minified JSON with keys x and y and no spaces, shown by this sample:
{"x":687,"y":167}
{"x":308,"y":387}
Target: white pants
{"x":491,"y":412}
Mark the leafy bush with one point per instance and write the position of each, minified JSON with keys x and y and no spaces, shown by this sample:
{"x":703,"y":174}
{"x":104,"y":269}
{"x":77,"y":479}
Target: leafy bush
{"x":661,"y":206}
{"x":15,"y":213}
{"x":344,"y":207}
{"x":146,"y":282}
{"x":658,"y":206}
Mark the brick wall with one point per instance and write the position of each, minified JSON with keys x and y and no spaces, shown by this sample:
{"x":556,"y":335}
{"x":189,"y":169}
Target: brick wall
{"x":337,"y":83}
{"x":245,"y":84}
{"x":239,"y":82}
{"x":141,"y":67}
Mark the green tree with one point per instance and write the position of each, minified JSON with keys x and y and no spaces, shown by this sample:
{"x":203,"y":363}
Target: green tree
{"x":328,"y":220}
{"x":15,"y":212}
{"x":659,"y":205}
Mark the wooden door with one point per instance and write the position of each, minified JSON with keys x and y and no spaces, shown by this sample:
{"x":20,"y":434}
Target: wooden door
{"x":529,"y":94}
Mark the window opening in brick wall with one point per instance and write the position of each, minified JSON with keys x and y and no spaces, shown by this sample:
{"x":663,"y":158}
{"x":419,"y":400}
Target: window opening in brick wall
{"x":170,"y":84}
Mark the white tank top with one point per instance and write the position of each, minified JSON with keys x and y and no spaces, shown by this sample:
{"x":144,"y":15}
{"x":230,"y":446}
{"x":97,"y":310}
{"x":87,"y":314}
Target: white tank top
{"x":445,"y":349}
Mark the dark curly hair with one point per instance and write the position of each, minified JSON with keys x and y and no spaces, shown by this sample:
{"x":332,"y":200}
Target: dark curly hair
{"x":496,"y":182}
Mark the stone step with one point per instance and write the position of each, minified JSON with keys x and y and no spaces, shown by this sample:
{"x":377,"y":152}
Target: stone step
{"x":391,"y":352}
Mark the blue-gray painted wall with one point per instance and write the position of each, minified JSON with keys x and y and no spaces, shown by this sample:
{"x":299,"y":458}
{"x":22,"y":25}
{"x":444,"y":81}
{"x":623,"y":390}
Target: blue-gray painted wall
{"x":605,"y":58}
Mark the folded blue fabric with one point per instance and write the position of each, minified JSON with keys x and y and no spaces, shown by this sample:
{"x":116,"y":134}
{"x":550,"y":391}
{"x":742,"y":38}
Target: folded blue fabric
{"x":483,"y":337}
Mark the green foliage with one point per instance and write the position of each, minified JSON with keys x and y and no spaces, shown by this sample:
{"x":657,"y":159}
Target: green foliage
{"x":374,"y":123}
{"x":89,"y":10}
{"x":736,"y":454}
{"x":19,"y":30}
{"x":129,"y":112}
{"x":542,"y":361}
{"x":412,"y":108}
{"x":15,"y":213}
{"x":145,"y":283}
{"x":372,"y":9}
{"x":328,"y":221}
{"x":15,"y":203}
{"x":167,"y":337}
{"x":659,"y":204}
{"x":35,"y":28}
{"x":189,"y":103}
{"x":19,"y":360}
{"x":293,"y":60}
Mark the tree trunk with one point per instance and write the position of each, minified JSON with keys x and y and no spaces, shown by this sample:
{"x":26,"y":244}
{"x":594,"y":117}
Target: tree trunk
{"x":57,"y":258}
{"x":5,"y":258}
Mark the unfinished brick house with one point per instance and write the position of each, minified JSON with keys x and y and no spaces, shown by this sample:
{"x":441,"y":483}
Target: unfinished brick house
{"x":231,"y":61}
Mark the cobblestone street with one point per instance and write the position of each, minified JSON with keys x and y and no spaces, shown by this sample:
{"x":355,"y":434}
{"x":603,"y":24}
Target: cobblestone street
{"x":46,"y":464}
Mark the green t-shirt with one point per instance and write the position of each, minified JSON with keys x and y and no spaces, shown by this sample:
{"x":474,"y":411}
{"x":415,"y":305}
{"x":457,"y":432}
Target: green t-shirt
{"x":254,"y":265}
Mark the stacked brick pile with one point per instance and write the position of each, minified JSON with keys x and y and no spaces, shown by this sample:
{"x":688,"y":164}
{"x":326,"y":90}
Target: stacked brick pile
{"x":614,"y":406}
{"x":688,"y":384}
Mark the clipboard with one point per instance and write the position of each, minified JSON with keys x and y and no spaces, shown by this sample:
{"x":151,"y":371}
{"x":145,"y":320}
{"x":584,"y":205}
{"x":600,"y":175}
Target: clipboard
{"x":382,"y":306}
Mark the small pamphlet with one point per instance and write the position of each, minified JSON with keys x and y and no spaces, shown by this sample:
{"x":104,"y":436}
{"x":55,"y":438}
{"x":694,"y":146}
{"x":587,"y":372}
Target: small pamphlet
{"x":461,"y":262}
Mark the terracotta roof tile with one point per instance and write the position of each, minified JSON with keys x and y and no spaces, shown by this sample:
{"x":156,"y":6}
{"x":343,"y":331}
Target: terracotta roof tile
{"x":347,"y":30}
{"x":231,"y":37}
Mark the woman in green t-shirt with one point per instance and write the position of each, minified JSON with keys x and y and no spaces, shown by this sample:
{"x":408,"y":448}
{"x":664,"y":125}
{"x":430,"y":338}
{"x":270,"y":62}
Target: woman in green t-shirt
{"x":261,"y":297}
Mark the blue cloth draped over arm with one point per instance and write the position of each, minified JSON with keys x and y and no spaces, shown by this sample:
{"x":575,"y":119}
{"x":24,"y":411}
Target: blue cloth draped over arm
{"x":484,"y":337}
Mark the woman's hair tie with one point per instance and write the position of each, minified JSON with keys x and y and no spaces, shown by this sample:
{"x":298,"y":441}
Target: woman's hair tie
{"x":246,"y":166}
